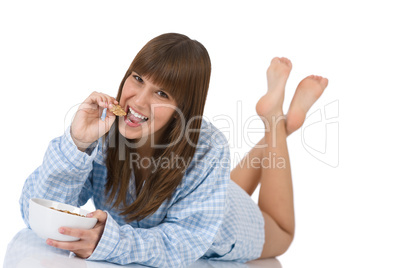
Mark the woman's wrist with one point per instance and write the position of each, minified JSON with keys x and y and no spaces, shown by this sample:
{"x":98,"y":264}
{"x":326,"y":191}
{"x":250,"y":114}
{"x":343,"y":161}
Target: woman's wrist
{"x":82,"y":146}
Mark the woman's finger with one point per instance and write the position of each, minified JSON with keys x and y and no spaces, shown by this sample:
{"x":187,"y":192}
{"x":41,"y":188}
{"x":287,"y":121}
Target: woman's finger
{"x":97,"y":97}
{"x":82,"y":249}
{"x":110,"y":100}
{"x":79,"y":233}
{"x":102,"y":102}
{"x":88,"y":106}
{"x":99,"y":214}
{"x":92,"y":98}
{"x":71,"y":246}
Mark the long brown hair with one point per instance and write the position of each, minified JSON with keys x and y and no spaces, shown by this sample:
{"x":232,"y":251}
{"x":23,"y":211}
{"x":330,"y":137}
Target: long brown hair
{"x":182,"y":67}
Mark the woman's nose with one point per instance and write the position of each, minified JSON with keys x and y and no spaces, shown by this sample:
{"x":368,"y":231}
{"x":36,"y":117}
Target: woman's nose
{"x":141,"y":97}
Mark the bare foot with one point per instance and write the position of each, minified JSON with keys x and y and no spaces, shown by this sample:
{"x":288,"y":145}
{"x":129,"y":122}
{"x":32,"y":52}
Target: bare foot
{"x":277,"y":75}
{"x":307,"y":92}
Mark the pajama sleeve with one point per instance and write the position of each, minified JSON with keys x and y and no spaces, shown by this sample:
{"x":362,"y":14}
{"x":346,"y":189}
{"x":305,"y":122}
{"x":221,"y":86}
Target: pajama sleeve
{"x":189,"y":227}
{"x":64,"y":175}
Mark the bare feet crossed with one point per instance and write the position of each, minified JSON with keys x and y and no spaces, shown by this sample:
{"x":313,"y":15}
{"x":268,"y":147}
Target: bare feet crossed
{"x":307,"y":93}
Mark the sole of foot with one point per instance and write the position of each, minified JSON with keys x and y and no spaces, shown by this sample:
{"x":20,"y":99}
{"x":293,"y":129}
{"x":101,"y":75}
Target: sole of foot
{"x":277,"y":75}
{"x":307,"y":93}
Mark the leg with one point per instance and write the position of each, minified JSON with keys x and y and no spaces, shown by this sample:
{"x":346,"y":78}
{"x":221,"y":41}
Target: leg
{"x":247,"y":174}
{"x":278,"y":228}
{"x":276,"y":192}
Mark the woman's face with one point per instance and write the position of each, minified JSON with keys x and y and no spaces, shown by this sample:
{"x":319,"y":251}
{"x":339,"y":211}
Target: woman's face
{"x":149,"y":109}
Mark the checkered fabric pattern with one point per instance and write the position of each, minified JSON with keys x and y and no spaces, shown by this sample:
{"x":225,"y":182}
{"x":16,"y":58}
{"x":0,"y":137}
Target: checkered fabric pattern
{"x":208,"y":217}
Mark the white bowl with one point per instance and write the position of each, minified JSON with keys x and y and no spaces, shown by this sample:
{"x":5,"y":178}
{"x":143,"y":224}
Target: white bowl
{"x":45,"y":222}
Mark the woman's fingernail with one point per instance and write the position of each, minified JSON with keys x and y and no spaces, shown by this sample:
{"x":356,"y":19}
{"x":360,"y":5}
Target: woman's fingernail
{"x":61,"y":230}
{"x":90,"y":215}
{"x":49,"y":242}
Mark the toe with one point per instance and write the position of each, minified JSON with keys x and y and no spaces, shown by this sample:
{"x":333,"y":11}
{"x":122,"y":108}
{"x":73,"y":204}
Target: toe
{"x":275,"y":60}
{"x":286,"y":61}
{"x":324,"y":82}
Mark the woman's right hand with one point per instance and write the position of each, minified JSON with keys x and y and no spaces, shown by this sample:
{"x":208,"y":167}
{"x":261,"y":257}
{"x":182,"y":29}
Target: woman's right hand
{"x":87,"y":126}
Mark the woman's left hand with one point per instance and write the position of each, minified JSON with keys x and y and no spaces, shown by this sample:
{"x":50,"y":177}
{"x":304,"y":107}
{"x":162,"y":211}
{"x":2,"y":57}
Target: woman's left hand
{"x":89,"y":239}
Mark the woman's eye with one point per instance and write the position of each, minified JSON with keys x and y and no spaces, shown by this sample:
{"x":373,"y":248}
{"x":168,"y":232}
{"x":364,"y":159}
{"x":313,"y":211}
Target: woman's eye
{"x":139,"y":79}
{"x":162,"y":94}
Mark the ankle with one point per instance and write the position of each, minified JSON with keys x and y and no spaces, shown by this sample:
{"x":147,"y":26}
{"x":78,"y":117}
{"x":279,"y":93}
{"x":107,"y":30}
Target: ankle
{"x":274,"y":119}
{"x":273,"y":114}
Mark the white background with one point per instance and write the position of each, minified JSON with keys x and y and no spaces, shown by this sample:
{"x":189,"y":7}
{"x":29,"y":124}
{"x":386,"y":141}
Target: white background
{"x":55,"y":53}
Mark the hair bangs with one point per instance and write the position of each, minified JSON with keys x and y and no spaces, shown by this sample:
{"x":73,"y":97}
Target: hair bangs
{"x":164,"y":75}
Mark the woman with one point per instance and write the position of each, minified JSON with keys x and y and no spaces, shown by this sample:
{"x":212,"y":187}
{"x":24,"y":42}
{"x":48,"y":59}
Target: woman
{"x":160,"y":176}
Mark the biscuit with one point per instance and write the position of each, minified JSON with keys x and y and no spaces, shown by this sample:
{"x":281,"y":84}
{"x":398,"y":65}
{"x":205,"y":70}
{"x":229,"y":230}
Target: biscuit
{"x":117,"y":110}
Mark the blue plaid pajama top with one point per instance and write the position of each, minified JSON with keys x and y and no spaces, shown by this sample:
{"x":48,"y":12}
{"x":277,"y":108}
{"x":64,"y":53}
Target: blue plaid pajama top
{"x":209,"y":215}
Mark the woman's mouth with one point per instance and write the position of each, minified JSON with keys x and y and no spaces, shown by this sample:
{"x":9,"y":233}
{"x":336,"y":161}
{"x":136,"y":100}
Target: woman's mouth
{"x":134,"y":119}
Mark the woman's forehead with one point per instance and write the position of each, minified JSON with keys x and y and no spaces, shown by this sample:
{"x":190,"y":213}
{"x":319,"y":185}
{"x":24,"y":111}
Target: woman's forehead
{"x":148,"y":79}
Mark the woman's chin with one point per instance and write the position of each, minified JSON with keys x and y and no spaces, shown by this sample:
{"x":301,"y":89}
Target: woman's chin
{"x":126,"y":134}
{"x":130,"y":134}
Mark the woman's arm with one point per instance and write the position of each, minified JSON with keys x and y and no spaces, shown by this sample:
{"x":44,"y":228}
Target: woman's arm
{"x":68,"y":161}
{"x":63,"y":176}
{"x":188,"y":230}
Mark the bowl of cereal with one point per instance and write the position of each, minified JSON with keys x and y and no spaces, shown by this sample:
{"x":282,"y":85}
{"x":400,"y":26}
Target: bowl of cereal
{"x":47,"y":216}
